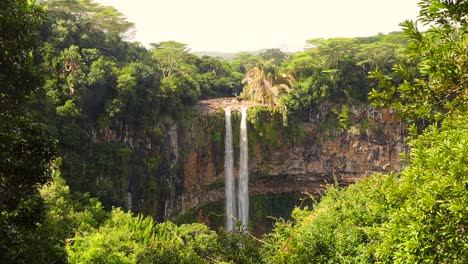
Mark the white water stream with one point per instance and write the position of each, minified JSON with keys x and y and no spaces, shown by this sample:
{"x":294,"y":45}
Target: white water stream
{"x":244,"y":171}
{"x":242,"y":212}
{"x":229,"y":175}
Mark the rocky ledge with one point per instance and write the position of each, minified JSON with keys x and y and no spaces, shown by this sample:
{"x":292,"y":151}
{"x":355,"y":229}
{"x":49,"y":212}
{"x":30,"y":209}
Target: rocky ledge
{"x":215,"y":105}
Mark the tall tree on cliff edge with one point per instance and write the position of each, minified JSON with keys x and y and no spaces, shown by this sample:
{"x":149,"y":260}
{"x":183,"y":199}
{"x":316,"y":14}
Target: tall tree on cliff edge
{"x":25,"y":150}
{"x":264,"y":84}
{"x":439,"y":82}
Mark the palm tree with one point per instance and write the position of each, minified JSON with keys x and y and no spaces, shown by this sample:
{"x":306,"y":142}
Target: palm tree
{"x":264,"y":84}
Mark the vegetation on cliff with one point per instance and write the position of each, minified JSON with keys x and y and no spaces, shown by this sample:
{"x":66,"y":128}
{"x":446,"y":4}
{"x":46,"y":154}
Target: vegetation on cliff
{"x":69,"y":79}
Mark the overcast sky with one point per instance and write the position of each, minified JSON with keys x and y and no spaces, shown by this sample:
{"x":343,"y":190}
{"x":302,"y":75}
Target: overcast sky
{"x":248,"y":25}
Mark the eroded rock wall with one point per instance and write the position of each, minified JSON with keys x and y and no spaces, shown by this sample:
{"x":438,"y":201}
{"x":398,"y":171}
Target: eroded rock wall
{"x":175,"y":166}
{"x":321,"y":152}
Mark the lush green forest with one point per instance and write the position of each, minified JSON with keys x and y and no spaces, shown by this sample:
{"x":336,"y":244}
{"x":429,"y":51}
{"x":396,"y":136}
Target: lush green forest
{"x":67,"y":68}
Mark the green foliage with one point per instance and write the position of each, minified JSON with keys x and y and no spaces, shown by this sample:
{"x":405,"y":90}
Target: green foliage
{"x":124,"y":238}
{"x":267,"y":126}
{"x":19,"y":28}
{"x":438,"y":84}
{"x":171,"y":58}
{"x":68,"y":110}
{"x":275,"y":56}
{"x":244,"y":61}
{"x":337,"y":70}
{"x":430,"y":225}
{"x":237,"y":247}
{"x":26,"y":148}
{"x":112,"y":243}
{"x":217,"y":78}
{"x":273,"y":128}
{"x":330,"y":123}
{"x":265,"y":84}
{"x":103,"y":18}
{"x":100,"y":71}
{"x":264,"y":211}
{"x":25,"y":153}
{"x":103,"y":121}
{"x":334,"y":232}
{"x":64,"y":216}
{"x":343,"y":117}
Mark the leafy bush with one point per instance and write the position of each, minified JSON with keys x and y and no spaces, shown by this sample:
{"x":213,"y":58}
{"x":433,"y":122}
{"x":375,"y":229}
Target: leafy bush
{"x":125,"y":238}
{"x":238,"y":247}
{"x":431,"y":222}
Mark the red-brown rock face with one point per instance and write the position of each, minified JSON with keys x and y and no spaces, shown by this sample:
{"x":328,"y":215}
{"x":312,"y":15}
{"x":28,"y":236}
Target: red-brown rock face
{"x":322,"y":154}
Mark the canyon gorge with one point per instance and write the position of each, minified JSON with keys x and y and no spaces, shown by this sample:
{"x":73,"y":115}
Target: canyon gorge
{"x":300,"y":159}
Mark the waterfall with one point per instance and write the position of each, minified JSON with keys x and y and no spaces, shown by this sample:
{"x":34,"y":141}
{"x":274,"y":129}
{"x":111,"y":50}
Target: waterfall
{"x":229,"y":175}
{"x":244,"y":171}
{"x":243,"y":195}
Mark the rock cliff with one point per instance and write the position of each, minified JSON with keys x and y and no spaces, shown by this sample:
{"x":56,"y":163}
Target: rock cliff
{"x":172,"y":167}
{"x":317,"y":152}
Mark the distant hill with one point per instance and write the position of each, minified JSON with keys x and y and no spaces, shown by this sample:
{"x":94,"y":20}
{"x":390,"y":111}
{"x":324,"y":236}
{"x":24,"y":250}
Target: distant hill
{"x":224,"y":55}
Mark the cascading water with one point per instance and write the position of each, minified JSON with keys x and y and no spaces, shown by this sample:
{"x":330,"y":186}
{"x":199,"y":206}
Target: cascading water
{"x":243,"y":195}
{"x":229,"y":175}
{"x":244,"y":171}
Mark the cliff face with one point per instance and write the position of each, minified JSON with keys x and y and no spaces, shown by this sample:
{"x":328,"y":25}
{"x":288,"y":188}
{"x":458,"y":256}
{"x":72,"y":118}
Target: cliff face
{"x":127,"y":164}
{"x":303,"y":161}
{"x":171,"y":167}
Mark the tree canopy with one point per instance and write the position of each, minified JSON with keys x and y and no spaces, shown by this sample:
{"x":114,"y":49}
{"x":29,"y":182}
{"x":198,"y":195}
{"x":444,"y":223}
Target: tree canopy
{"x":436,"y":84}
{"x":26,"y":149}
{"x":264,"y":84}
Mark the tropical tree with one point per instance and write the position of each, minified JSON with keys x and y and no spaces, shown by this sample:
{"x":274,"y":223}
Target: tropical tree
{"x":439,"y":82}
{"x":94,"y":16}
{"x":217,"y":78}
{"x":171,"y":58}
{"x":264,"y":84}
{"x":276,"y":56}
{"x":243,"y":61}
{"x":337,"y":69}
{"x":25,"y":148}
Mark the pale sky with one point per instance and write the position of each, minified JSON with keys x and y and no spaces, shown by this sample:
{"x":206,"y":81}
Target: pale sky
{"x":248,"y":25}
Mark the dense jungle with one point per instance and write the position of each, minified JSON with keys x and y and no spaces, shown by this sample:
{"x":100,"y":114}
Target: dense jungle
{"x":115,"y":152}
